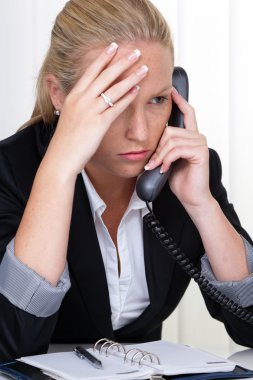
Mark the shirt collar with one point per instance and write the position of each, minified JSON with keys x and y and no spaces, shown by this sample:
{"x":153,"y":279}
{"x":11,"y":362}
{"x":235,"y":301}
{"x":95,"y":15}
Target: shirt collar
{"x":96,"y":203}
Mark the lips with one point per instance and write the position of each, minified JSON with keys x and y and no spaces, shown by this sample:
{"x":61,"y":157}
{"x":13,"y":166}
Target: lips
{"x":135,"y":155}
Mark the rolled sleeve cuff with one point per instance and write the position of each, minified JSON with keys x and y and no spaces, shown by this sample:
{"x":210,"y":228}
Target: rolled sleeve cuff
{"x":27,"y":290}
{"x":241,"y":292}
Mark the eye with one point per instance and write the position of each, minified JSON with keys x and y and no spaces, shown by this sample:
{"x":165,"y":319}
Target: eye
{"x":158,"y":100}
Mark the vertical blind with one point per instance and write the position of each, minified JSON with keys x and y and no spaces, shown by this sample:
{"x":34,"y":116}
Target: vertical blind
{"x":213,"y":43}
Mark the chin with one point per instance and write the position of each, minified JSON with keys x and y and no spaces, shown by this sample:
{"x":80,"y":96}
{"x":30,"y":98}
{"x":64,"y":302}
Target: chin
{"x":130,"y":172}
{"x":126,"y":170}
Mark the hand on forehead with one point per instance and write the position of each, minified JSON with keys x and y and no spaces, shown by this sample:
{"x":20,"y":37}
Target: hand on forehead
{"x":157,"y":57}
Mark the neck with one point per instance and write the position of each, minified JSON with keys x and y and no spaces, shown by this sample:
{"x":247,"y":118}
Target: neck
{"x":112,"y":188}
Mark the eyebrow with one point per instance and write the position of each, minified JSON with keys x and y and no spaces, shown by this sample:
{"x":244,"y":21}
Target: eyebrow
{"x":164,"y":89}
{"x":161,"y":91}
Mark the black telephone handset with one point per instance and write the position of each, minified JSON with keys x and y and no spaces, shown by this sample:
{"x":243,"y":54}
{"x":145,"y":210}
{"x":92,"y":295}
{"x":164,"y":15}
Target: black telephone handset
{"x":149,"y":185}
{"x":151,"y":182}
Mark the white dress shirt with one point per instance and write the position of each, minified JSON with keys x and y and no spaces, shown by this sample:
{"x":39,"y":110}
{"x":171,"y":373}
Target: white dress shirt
{"x":128,"y":291}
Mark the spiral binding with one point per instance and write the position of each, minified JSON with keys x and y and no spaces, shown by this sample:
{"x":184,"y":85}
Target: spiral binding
{"x":134,"y":355}
{"x":183,"y":261}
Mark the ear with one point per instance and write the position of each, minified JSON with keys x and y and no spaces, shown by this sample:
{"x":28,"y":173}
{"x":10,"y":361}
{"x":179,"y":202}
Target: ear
{"x":55,"y":90}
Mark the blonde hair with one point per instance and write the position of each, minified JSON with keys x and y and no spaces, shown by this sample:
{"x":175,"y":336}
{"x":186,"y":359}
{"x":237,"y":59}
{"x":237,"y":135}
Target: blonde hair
{"x":83,"y":25}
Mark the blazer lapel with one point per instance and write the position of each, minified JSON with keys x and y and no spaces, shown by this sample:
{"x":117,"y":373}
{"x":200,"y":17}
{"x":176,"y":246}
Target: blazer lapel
{"x":84,"y":248}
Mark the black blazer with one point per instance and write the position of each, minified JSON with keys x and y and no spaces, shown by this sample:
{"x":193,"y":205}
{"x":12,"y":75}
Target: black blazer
{"x":85,"y":313}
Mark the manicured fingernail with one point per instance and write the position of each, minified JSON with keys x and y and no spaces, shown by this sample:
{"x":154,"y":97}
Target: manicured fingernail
{"x":142,"y":71}
{"x":134,"y":55}
{"x":112,"y":48}
{"x":174,"y":90}
{"x":149,"y":165}
{"x":135,"y":89}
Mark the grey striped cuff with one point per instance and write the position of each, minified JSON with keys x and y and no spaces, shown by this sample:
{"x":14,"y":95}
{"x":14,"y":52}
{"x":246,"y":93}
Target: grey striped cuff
{"x":27,"y":290}
{"x":240,"y":292}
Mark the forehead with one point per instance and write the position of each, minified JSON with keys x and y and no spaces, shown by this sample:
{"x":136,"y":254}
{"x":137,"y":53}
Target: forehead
{"x":157,"y":57}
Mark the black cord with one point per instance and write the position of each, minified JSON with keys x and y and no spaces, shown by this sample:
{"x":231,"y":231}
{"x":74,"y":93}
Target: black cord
{"x":183,"y":261}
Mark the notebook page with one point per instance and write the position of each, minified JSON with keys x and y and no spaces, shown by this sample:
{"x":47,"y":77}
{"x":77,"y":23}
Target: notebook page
{"x":66,"y":365}
{"x":181,"y":359}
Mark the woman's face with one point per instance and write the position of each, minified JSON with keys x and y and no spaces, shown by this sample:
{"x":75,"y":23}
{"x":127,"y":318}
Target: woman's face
{"x":134,"y":135}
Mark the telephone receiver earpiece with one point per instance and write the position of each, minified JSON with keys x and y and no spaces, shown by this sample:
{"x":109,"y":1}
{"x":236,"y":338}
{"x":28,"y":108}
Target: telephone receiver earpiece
{"x":151,"y":182}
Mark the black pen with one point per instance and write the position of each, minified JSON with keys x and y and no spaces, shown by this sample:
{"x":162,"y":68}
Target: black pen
{"x":82,"y":353}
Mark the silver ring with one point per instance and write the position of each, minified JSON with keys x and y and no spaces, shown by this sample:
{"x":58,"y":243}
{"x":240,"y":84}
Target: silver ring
{"x":107,"y":100}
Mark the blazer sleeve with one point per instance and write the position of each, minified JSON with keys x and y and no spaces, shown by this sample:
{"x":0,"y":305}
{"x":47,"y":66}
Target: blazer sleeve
{"x":240,"y":331}
{"x":21,"y":333}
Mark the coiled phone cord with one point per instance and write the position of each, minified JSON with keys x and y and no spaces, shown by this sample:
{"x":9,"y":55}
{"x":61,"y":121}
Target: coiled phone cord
{"x":183,"y":261}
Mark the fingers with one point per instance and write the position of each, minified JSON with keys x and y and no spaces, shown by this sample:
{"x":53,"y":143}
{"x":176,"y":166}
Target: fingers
{"x":177,"y":143}
{"x":92,"y":72}
{"x":111,"y":73}
{"x":99,"y":76}
{"x":117,"y":91}
{"x":112,"y":113}
{"x":190,"y":122}
{"x":191,"y":153}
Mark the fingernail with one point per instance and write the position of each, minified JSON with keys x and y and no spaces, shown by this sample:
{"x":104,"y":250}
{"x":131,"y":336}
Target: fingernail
{"x":134,"y":55}
{"x":174,"y":90}
{"x":142,"y":71}
{"x":149,"y":165}
{"x":112,"y":48}
{"x":135,"y":89}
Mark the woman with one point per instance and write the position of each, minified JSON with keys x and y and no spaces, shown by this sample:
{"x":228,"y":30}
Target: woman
{"x":77,"y":262}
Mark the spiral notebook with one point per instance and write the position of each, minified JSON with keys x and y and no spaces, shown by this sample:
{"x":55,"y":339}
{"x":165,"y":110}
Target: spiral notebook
{"x":139,"y":361}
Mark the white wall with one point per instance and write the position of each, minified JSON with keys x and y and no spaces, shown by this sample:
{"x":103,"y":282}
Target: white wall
{"x":213,"y":42}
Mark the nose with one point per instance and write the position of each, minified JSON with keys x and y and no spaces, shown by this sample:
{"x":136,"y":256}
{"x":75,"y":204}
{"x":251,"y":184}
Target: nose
{"x":137,"y":126}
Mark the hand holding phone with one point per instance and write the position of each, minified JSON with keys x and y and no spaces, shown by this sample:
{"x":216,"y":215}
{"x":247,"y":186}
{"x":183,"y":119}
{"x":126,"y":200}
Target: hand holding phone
{"x":151,"y":182}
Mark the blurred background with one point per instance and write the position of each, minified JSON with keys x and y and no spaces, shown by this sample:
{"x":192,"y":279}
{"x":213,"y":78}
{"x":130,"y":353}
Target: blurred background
{"x":213,"y":42}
